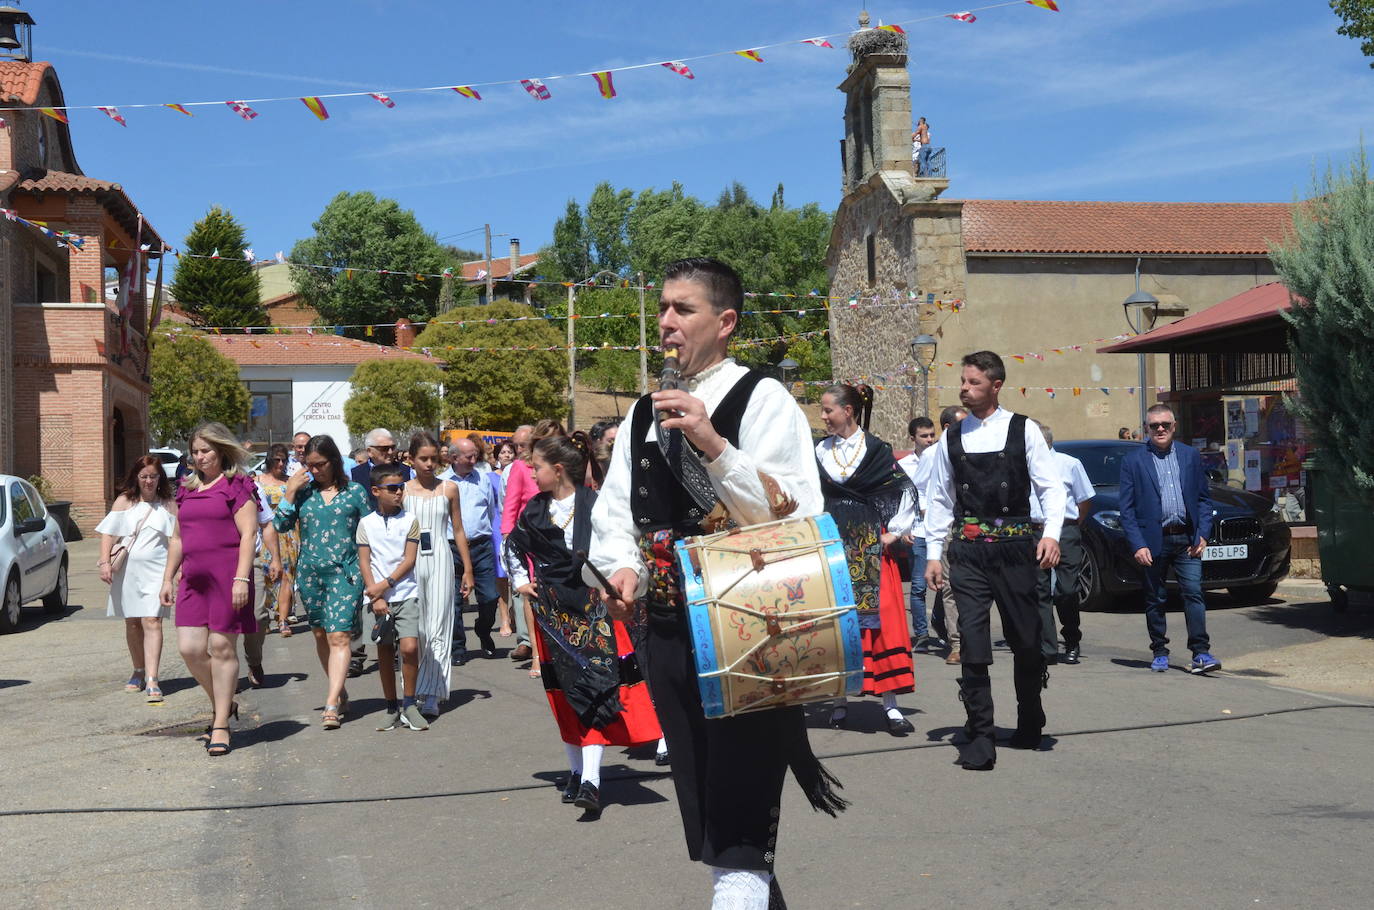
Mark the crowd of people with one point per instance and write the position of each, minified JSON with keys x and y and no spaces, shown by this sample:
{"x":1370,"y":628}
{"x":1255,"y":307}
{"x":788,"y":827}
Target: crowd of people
{"x":563,"y":542}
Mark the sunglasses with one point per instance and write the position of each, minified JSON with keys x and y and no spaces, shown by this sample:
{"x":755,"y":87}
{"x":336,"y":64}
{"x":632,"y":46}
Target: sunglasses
{"x":1162,"y":425}
{"x":391,"y":487}
{"x":391,"y":448}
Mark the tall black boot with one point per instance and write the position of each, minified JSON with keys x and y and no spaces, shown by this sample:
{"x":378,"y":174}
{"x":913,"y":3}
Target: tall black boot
{"x":975,"y":690}
{"x":775,"y":901}
{"x":1029,"y":678}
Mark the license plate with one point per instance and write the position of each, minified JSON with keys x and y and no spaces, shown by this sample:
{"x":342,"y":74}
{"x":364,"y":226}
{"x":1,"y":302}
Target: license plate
{"x":1227,"y":551}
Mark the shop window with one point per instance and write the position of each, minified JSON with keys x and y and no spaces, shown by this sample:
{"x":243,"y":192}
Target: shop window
{"x":269,"y":413}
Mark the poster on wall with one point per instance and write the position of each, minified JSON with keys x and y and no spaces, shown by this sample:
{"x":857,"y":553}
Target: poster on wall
{"x":1233,"y":454}
{"x":1235,"y":419}
{"x":1252,"y":416}
{"x":1253,"y":482}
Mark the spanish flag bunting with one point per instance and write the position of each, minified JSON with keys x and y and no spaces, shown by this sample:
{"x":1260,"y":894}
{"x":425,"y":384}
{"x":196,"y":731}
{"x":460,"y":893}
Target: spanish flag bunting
{"x":348,"y":274}
{"x":179,"y":109}
{"x":113,"y":114}
{"x":750,"y":55}
{"x":1023,"y":391}
{"x":818,"y":42}
{"x":467,"y":92}
{"x":1019,"y":358}
{"x":54,"y":113}
{"x":680,"y":68}
{"x":1045,"y":4}
{"x":419,"y":277}
{"x":1077,"y":391}
{"x":604,"y":84}
{"x":892,"y":28}
{"x":316,"y":106}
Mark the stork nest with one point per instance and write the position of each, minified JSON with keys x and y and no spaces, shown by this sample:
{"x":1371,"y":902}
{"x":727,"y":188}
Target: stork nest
{"x":876,"y":41}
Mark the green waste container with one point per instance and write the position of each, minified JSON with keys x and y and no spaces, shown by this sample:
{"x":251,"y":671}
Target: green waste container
{"x":1345,"y":537}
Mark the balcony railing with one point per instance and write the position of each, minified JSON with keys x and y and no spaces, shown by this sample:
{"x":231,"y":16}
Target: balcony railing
{"x":930,"y":162}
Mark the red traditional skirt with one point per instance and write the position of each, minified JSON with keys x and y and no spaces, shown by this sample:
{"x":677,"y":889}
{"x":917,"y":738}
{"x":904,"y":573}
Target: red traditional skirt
{"x":636,"y":724}
{"x":887,"y":649}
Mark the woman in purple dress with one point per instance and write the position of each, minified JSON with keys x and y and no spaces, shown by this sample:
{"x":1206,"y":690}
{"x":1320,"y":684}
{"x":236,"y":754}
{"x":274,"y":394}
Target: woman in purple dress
{"x":217,"y":526}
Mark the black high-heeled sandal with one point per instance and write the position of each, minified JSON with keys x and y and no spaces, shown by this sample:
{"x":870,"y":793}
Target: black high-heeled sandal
{"x":214,"y":748}
{"x":204,"y":736}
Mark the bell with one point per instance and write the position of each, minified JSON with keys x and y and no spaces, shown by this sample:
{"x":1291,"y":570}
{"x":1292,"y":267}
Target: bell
{"x":12,"y":46}
{"x":7,"y":39}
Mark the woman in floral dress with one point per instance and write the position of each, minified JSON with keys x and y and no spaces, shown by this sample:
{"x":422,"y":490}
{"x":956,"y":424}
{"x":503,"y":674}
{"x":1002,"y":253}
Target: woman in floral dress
{"x":327,"y":507}
{"x":279,"y":594}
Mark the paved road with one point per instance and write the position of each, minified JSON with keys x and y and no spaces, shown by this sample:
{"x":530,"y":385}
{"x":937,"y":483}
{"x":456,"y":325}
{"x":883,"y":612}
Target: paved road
{"x":1155,"y":789}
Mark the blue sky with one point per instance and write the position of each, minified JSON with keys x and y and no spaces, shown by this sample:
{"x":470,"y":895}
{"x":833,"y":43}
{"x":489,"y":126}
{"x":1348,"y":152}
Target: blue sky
{"x":1210,"y":100}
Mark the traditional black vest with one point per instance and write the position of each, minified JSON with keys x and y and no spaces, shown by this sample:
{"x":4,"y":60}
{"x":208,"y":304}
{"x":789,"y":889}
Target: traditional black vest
{"x":992,"y":485}
{"x":657,"y":499}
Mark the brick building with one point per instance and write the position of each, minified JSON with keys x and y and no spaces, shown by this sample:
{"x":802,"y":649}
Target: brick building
{"x":73,"y":386}
{"x":1033,"y":276}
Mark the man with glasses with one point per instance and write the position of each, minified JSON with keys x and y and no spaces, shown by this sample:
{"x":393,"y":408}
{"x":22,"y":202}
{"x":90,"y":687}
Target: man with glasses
{"x":296,"y":460}
{"x":1166,"y":512}
{"x":477,"y":498}
{"x":381,"y":450}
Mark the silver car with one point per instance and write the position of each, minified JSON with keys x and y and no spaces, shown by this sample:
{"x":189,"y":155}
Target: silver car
{"x":33,"y":555}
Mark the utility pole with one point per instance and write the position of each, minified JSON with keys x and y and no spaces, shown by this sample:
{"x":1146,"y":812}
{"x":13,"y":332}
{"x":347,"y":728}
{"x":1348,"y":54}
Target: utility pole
{"x":572,"y":360}
{"x":643,"y":351}
{"x":490,"y":281}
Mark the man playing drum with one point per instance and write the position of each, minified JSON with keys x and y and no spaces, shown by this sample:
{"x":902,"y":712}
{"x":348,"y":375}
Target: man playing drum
{"x":737,"y":440}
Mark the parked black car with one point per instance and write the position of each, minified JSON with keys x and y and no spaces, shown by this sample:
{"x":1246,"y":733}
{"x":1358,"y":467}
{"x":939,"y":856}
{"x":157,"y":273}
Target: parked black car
{"x":1248,"y":554}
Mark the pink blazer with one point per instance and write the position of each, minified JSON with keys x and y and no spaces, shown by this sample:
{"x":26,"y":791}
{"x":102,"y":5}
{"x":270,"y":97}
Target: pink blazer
{"x":520,"y":489}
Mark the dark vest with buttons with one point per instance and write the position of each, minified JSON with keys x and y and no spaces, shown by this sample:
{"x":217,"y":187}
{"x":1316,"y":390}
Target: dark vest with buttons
{"x":992,"y":485}
{"x":657,"y":499}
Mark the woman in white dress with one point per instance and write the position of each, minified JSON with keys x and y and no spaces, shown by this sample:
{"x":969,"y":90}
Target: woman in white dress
{"x":135,"y":534}
{"x":434,"y":504}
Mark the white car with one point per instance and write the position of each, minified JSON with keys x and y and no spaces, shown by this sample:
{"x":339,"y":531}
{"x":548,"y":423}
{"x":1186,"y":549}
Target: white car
{"x":33,"y":555}
{"x":169,"y":458}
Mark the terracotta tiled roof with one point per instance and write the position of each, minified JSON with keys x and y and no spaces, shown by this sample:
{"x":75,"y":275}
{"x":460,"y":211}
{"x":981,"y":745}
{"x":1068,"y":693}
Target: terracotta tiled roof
{"x":20,"y":81}
{"x":60,"y":182}
{"x":299,"y":348}
{"x":1248,"y":307}
{"x":500,"y":268}
{"x":1131,"y":228}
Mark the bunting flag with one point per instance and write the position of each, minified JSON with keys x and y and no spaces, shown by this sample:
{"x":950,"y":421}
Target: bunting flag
{"x":179,"y":109}
{"x":750,"y":55}
{"x":818,"y":42}
{"x":112,"y":113}
{"x":892,"y":28}
{"x":131,"y":288}
{"x":537,"y":89}
{"x":963,"y":17}
{"x":604,"y":84}
{"x":467,"y":92}
{"x":1045,"y":4}
{"x":680,"y":68}
{"x":156,"y":315}
{"x":248,"y":254}
{"x":243,"y":110}
{"x":316,"y":106}
{"x":281,"y":257}
{"x":59,"y":115}
{"x":384,"y":99}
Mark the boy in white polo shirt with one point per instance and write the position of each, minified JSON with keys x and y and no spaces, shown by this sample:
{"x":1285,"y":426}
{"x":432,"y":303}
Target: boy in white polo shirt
{"x":388,"y":541}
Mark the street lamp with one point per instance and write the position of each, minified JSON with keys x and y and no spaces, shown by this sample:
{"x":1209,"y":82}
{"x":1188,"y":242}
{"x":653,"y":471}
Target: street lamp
{"x":1135,"y":306}
{"x":923,"y":349}
{"x":786,"y":367}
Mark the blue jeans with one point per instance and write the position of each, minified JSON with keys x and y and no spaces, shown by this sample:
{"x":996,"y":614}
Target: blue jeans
{"x":923,"y":161}
{"x":482,"y":553}
{"x":918,"y":588}
{"x":1188,"y":571}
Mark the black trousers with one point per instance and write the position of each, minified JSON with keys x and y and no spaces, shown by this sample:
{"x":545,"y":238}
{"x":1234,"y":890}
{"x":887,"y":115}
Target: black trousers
{"x":1004,"y":573}
{"x":1061,"y":593}
{"x":728,"y":772}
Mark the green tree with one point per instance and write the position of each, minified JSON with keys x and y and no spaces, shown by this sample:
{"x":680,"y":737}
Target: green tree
{"x":1329,"y":263}
{"x":220,"y":291}
{"x":569,"y":257}
{"x":498,"y":389}
{"x":401,"y":394}
{"x":355,"y":237}
{"x":192,"y":383}
{"x":1357,"y":17}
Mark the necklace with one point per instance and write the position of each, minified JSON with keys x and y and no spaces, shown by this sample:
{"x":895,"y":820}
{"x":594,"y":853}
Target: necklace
{"x":568,"y":521}
{"x":844,"y":466}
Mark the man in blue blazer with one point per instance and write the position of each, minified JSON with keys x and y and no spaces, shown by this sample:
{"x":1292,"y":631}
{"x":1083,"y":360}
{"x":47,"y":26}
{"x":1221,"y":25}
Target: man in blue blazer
{"x":1166,"y":513}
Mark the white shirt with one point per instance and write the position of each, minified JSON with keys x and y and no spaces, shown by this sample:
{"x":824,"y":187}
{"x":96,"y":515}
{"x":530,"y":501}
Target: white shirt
{"x":990,"y":436}
{"x":1077,"y":487}
{"x":292,"y":465}
{"x":386,"y":537}
{"x":842,"y":457}
{"x":561,"y":514}
{"x":917,"y":467}
{"x":774,"y":438}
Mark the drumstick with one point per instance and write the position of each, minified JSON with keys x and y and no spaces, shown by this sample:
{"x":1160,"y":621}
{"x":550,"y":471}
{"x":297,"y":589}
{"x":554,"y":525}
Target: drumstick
{"x":596,"y":573}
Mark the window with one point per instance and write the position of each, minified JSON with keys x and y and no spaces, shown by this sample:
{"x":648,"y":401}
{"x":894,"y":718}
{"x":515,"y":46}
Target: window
{"x":35,"y":501}
{"x":269,"y":413}
{"x":45,"y":284}
{"x":872,"y":260}
{"x":19,"y":503}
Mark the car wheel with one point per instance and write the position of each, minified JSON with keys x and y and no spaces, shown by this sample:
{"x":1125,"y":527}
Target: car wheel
{"x":55,"y":601}
{"x":9,"y":609}
{"x":1089,"y":584}
{"x":1253,"y":595}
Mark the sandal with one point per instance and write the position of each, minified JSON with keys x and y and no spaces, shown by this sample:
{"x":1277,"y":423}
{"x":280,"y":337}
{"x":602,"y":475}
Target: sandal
{"x":154,"y":692}
{"x":136,"y":682}
{"x":286,"y":631}
{"x":329,"y":720}
{"x":255,"y":675}
{"x":216,"y":749}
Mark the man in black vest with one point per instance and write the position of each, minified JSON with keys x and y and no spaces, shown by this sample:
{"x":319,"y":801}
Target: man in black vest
{"x":736,"y":440}
{"x":985,"y":467}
